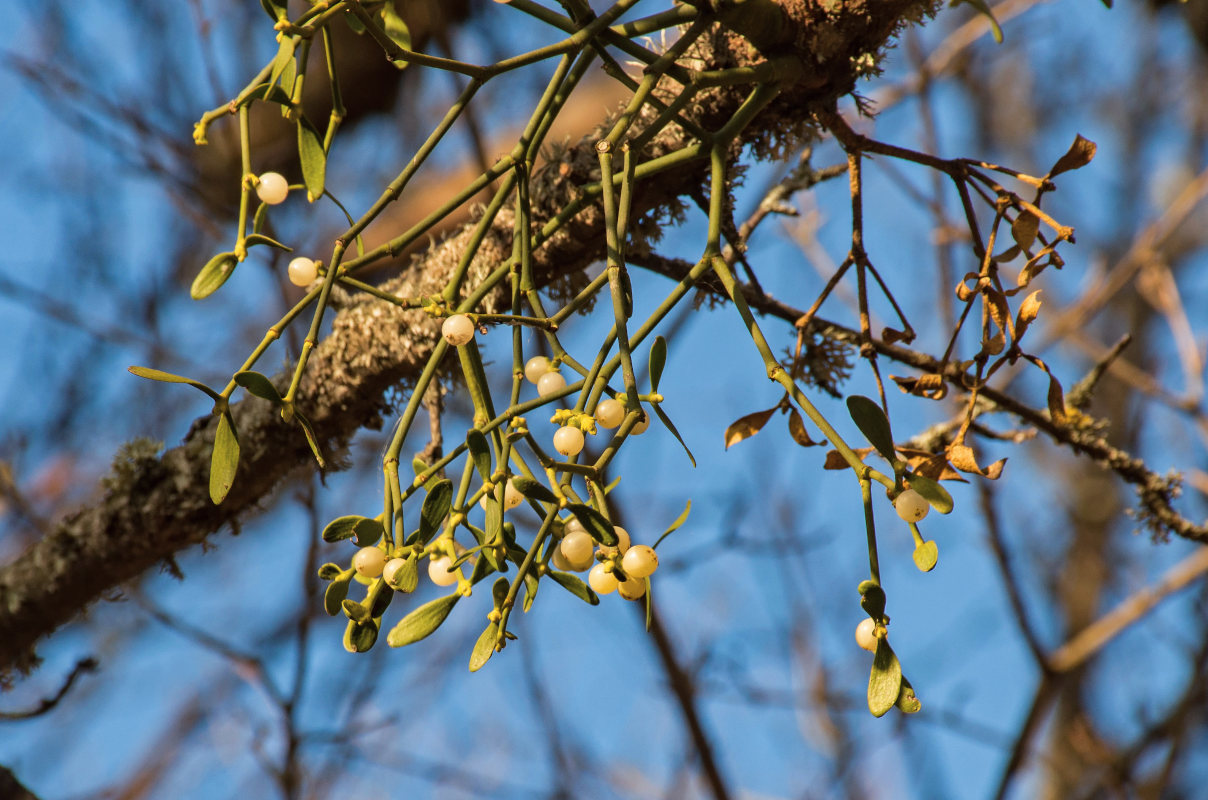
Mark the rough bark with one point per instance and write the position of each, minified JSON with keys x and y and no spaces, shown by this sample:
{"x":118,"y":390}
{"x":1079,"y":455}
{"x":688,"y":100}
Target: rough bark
{"x":154,"y":506}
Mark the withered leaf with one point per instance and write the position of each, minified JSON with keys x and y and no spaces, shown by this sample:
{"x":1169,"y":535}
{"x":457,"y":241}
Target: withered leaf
{"x":1079,"y":155}
{"x":1024,"y":229}
{"x":931,"y":385}
{"x":1056,"y":396}
{"x":963,"y":459}
{"x":748,"y":426}
{"x":893,"y":335}
{"x":1029,"y":309}
{"x":836,"y":461}
{"x":798,"y":432}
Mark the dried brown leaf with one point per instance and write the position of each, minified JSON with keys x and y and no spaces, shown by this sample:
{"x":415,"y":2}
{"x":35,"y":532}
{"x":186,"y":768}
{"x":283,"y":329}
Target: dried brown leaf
{"x":797,"y":430}
{"x":963,"y":459}
{"x":1024,"y":229}
{"x":1029,"y":309}
{"x":748,"y":426}
{"x":964,"y":290}
{"x":931,"y":385}
{"x":893,"y":335}
{"x":1079,"y":155}
{"x":836,"y":461}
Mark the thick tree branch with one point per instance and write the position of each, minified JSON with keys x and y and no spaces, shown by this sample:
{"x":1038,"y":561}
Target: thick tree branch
{"x":154,"y":506}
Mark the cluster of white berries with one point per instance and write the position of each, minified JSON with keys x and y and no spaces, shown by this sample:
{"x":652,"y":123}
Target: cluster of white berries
{"x":577,"y":551}
{"x":542,"y":373}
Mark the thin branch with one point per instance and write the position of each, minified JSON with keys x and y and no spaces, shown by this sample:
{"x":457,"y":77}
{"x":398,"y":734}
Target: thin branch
{"x":84,"y":665}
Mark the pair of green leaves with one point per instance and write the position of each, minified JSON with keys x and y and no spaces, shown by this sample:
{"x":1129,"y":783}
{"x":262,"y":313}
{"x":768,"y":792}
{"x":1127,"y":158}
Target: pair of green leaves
{"x":224,"y":458}
{"x":262,"y":387}
{"x":658,"y":360}
{"x":887,"y":686}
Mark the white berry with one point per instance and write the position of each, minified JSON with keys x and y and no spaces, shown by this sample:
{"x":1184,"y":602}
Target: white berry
{"x":457,"y":330}
{"x":438,"y":571}
{"x":302,"y":271}
{"x":550,"y":382}
{"x":577,"y":548}
{"x":390,"y":571}
{"x":601,"y":580}
{"x":572,"y":525}
{"x":640,"y":561}
{"x":568,"y":440}
{"x":864,"y":635}
{"x":272,"y":188}
{"x":369,"y":561}
{"x":511,"y":495}
{"x":610,"y":413}
{"x":641,"y":425}
{"x":632,"y":589}
{"x":911,"y":506}
{"x":559,"y":561}
{"x":622,"y":542}
{"x":536,"y":367}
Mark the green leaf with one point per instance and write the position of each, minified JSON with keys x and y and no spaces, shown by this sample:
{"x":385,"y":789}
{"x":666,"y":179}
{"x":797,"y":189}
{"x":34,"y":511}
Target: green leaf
{"x":396,"y":29}
{"x":168,"y":377}
{"x":484,"y":648}
{"x":366,"y":530}
{"x":381,"y":600}
{"x":932,"y":492}
{"x":312,"y":157}
{"x":984,"y":9}
{"x":434,"y":510}
{"x":482,"y":568}
{"x":925,"y":556}
{"x":358,"y":637}
{"x":480,"y":452}
{"x":421,"y":622}
{"x":355,"y":611}
{"x":533,"y":489}
{"x":872,"y":599}
{"x":330,"y":571}
{"x":597,"y":527}
{"x":671,"y":427}
{"x":908,"y":701}
{"x":658,"y":360}
{"x":336,"y":592}
{"x":272,"y":93}
{"x":309,"y":432}
{"x":531,"y":585}
{"x":284,"y":57}
{"x":575,"y":585}
{"x":213,"y":275}
{"x":493,"y":523}
{"x":354,"y":24}
{"x":258,"y":385}
{"x":680,"y":520}
{"x":885,"y":680}
{"x":499,"y":590}
{"x":224,"y":461}
{"x":275,"y":9}
{"x":649,"y":603}
{"x":259,"y":238}
{"x":873,"y":423}
{"x":407,"y":578}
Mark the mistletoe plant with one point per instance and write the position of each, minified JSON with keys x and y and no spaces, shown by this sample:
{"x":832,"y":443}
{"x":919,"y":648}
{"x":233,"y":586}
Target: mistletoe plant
{"x":733,"y":81}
